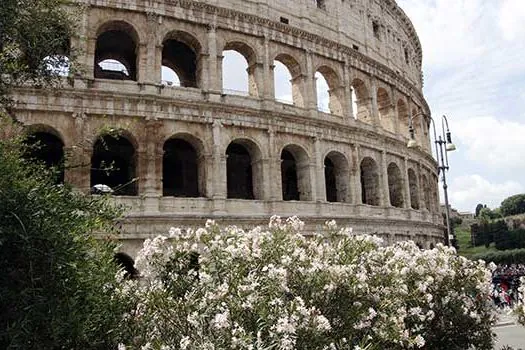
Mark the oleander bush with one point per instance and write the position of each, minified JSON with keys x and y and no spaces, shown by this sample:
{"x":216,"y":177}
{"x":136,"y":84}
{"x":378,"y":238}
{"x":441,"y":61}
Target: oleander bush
{"x":520,"y":309}
{"x":275,"y":288}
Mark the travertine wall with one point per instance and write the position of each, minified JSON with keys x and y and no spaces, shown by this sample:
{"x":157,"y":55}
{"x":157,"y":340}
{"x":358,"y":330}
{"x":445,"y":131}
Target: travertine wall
{"x":365,"y":46}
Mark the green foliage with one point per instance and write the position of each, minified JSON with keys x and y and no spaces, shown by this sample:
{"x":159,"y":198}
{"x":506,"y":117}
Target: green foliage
{"x":57,"y":283}
{"x":487,"y":232}
{"x":31,"y":30}
{"x":513,"y":256}
{"x":513,"y":205}
{"x":478,"y":209}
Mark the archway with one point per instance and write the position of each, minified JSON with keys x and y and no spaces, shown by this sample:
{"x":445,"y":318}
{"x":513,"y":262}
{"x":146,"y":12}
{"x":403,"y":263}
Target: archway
{"x":336,"y":177}
{"x":180,"y":170}
{"x":384,"y":106}
{"x":414,"y":190}
{"x":295,"y":174}
{"x":47,"y":148}
{"x":113,"y":163}
{"x":116,"y":52}
{"x":288,"y":80}
{"x":238,"y":70}
{"x":328,"y":91}
{"x":395,"y":186}
{"x":244,"y":170}
{"x":361,"y":100}
{"x":369,"y":182}
{"x":180,"y":60}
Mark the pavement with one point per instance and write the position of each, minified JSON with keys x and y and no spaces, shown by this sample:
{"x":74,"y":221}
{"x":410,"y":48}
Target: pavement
{"x":509,"y":332}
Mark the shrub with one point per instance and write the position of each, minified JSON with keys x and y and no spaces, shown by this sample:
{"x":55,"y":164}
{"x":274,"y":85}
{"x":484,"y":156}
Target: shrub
{"x":272,"y":288}
{"x":57,"y":286}
{"x":506,"y":257}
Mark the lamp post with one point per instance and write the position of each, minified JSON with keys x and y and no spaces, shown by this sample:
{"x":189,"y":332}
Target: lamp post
{"x":445,"y":139}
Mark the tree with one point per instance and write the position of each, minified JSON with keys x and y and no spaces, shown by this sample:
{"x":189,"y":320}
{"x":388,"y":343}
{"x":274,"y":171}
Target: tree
{"x":57,"y":286}
{"x":478,"y":209}
{"x":513,"y":205}
{"x":34,"y":42}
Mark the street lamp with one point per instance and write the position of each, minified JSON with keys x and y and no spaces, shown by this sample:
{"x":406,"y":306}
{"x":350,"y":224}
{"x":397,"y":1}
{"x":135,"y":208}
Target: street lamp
{"x":445,"y":139}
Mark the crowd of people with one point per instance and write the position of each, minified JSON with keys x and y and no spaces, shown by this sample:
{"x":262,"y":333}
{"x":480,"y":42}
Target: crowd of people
{"x":505,"y":282}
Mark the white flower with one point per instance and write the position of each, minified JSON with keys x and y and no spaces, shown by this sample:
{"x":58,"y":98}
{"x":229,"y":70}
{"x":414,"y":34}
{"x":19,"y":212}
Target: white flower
{"x":184,"y":342}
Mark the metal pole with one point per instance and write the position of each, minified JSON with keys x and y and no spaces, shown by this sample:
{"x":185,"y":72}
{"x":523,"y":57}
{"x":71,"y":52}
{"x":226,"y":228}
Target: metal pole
{"x":445,"y":187}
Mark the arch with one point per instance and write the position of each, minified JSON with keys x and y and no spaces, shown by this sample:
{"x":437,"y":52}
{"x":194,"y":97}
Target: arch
{"x":395,"y":186}
{"x":45,"y":145}
{"x":294,"y":77}
{"x":116,"y":41}
{"x":384,"y":106}
{"x":414,"y":189}
{"x":337,"y":177}
{"x":113,"y":163}
{"x":426,"y":192}
{"x":404,"y":118}
{"x":181,"y":54}
{"x":232,"y":63}
{"x":329,"y":91}
{"x":244,"y":170}
{"x":362,"y":101}
{"x":182,"y":168}
{"x":369,"y":182}
{"x":295,"y":174}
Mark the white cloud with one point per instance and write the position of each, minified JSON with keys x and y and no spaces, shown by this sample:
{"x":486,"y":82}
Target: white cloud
{"x":497,"y":144}
{"x":469,"y":190}
{"x":511,"y":18}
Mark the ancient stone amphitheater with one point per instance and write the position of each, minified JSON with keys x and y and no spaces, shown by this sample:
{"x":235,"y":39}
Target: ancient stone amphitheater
{"x":189,"y":149}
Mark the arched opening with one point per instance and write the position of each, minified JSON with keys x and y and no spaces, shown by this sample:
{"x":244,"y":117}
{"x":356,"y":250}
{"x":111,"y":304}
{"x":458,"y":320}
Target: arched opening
{"x":328,"y":91}
{"x":369,"y":182}
{"x":180,"y":169}
{"x":336,"y":177}
{"x":426,"y":193}
{"x":116,"y":52}
{"x":180,"y":60}
{"x":282,"y":83}
{"x":414,"y":190}
{"x":113,"y":164}
{"x":395,"y":186}
{"x":243,"y":170}
{"x":288,"y":80}
{"x":362,"y":101}
{"x":238,"y":70}
{"x":384,"y":106}
{"x":48,"y":149}
{"x":126,"y":262}
{"x":169,"y":77}
{"x":404,"y":118}
{"x":295,"y":174}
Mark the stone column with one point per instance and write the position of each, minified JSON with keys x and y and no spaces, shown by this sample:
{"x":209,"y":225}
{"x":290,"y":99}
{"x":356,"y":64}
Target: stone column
{"x":355,"y":176}
{"x":214,"y":66}
{"x":142,"y":63}
{"x":256,"y":79}
{"x":385,"y":191}
{"x":218,"y":174}
{"x":395,"y":112}
{"x":348,"y":108}
{"x":268,"y":92}
{"x":421,"y":195}
{"x":310,"y":88}
{"x":408,"y":199}
{"x":153,"y":63}
{"x":273,"y":181}
{"x":319,"y":171}
{"x":375,"y":108}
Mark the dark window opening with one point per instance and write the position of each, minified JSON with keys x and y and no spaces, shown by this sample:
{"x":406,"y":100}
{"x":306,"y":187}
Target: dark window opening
{"x":284,"y":20}
{"x":330,"y":180}
{"x":114,"y":50}
{"x":320,"y":4}
{"x":376,"y":29}
{"x":369,"y":182}
{"x":395,"y":186}
{"x":180,"y":169}
{"x":47,"y":149}
{"x":182,"y":59}
{"x":289,"y":181}
{"x":407,"y":56}
{"x":355,"y":47}
{"x":113,"y":164}
{"x":239,"y":172}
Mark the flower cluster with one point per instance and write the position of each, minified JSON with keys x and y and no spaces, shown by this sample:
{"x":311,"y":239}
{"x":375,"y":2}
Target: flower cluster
{"x":275,"y":288}
{"x":520,"y":308}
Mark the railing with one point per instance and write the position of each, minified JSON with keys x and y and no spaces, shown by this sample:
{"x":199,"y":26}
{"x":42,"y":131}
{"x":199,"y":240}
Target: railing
{"x":235,"y":92}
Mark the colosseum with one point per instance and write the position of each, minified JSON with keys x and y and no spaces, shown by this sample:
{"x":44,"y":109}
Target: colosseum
{"x":186,"y":149}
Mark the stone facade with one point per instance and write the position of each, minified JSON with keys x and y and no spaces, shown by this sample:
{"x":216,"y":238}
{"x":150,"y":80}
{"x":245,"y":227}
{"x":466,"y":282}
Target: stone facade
{"x":196,"y":151}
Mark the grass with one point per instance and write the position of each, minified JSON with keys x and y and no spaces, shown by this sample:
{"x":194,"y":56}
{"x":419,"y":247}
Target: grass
{"x":465,"y":248}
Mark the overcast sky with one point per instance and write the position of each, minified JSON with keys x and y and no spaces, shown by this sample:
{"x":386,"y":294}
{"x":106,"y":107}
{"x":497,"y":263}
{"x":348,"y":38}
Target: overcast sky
{"x":474,"y":68}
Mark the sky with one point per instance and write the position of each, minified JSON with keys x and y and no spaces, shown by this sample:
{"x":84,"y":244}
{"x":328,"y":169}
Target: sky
{"x":474,"y":73}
